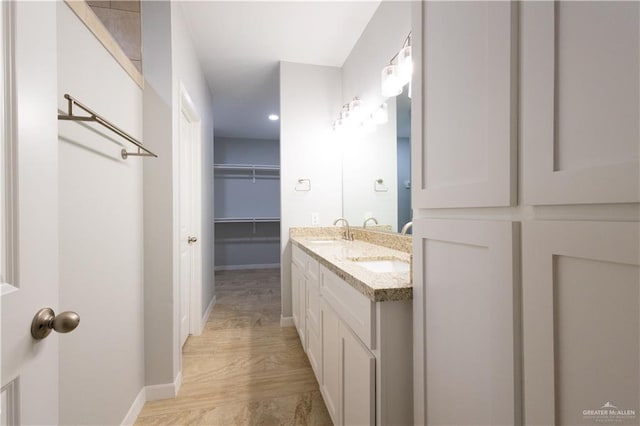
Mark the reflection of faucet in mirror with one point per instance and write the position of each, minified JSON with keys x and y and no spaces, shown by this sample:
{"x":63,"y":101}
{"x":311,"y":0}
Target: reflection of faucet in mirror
{"x":406,"y":227}
{"x":347,"y":234}
{"x":364,"y":225}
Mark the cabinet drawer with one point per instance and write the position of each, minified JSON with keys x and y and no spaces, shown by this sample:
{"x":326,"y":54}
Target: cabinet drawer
{"x":355,"y":309}
{"x":299,"y":258}
{"x":308,"y":265}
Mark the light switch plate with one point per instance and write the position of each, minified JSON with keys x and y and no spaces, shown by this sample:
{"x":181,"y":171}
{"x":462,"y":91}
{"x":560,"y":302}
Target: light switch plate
{"x":315,"y":218}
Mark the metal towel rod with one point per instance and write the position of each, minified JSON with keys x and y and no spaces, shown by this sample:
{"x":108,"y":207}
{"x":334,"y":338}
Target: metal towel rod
{"x":106,"y":123}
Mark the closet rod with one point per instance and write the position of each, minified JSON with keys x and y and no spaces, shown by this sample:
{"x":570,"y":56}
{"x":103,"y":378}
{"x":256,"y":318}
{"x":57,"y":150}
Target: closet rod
{"x":106,"y":123}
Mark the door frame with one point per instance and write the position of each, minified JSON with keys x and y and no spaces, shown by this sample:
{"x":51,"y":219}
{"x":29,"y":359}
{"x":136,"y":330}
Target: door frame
{"x":187,"y":107}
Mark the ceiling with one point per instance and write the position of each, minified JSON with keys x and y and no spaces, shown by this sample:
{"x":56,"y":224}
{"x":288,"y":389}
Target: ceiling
{"x":240,"y":44}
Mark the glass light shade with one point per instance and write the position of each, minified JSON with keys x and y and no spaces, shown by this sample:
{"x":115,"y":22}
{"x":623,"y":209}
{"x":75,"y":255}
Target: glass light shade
{"x":356,"y":109}
{"x":345,"y":114}
{"x":390,"y":82}
{"x":405,"y":65}
{"x":381,"y":114}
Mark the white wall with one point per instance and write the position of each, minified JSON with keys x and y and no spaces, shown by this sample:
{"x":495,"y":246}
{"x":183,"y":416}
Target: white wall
{"x":309,"y":101}
{"x":369,"y":156}
{"x":188,"y":72}
{"x":170,"y":62}
{"x":101,"y":233}
{"x":160,"y":366}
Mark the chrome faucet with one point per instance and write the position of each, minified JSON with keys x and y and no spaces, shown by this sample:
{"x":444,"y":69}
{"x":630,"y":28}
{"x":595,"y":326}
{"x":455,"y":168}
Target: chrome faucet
{"x":347,"y":234}
{"x":406,"y":227}
{"x":364,"y":225}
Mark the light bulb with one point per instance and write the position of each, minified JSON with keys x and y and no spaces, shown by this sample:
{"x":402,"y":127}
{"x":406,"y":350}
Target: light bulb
{"x":405,"y":65}
{"x":356,"y":109}
{"x":390,"y":83}
{"x":338,"y":125}
{"x":381,"y":114}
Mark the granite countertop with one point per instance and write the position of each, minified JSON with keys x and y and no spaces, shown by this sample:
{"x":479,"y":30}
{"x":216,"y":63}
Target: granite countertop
{"x":336,"y":255}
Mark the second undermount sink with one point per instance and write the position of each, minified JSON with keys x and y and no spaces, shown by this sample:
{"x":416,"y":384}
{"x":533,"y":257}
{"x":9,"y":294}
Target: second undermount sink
{"x":383,"y":265}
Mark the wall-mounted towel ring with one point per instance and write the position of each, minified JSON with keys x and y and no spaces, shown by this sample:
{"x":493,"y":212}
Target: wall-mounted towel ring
{"x":379,"y":186}
{"x":304,"y":184}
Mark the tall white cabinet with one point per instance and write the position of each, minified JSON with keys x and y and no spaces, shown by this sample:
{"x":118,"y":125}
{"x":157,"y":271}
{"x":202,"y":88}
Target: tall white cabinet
{"x":526,"y":133}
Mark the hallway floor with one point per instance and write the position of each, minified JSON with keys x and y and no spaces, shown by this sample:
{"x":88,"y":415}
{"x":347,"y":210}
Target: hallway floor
{"x":244,"y":369}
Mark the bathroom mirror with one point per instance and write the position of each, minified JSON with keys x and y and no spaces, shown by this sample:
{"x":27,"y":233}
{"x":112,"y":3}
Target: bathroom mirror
{"x":376,"y":176}
{"x":376,"y":171}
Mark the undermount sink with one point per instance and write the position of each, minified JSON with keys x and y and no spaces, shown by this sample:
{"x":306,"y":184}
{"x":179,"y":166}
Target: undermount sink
{"x":383,"y":265}
{"x":324,"y":241}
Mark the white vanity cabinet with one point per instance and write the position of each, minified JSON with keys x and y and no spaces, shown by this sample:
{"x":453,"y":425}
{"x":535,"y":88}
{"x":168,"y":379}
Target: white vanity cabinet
{"x":348,"y":375}
{"x":360,"y":349}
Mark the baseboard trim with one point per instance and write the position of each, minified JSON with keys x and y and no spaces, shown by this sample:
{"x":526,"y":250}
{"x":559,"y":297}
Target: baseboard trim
{"x":202,"y":321}
{"x":207,"y":313}
{"x":243,"y":267}
{"x":164,"y":391}
{"x":135,"y":409}
{"x":177,"y":383}
{"x":286,"y":322}
{"x":151,"y":393}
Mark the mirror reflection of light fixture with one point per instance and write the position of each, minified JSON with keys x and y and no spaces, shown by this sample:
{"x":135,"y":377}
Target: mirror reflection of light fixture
{"x":390,"y":81}
{"x":356,"y":108}
{"x":381,"y":114}
{"x":345,"y":114}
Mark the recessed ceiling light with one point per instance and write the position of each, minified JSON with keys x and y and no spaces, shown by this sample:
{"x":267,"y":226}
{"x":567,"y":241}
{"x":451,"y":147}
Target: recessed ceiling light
{"x":273,"y":117}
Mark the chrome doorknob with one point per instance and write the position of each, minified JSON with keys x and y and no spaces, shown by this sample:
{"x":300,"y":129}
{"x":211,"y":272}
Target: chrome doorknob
{"x":192,"y":240}
{"x":46,"y":320}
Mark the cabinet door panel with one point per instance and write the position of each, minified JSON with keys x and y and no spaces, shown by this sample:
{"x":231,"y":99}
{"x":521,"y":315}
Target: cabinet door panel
{"x":465,"y":99}
{"x":302,"y":313}
{"x":295,"y":293}
{"x":580,"y":102}
{"x":314,"y":352}
{"x":313,"y":305}
{"x":331,"y":361}
{"x":581,"y":320}
{"x":466,"y":289}
{"x":358,"y":380}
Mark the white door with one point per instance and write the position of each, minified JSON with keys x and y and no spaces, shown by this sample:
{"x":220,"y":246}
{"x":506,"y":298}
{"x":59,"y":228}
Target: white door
{"x":186,"y":224}
{"x":28,"y":212}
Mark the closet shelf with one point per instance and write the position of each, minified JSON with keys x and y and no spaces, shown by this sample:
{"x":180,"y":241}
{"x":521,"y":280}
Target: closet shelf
{"x":267,"y":171}
{"x":246,"y":219}
{"x":246,"y":167}
{"x":252,"y":220}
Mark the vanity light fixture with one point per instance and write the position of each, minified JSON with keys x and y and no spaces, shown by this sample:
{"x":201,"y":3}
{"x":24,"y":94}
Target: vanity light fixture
{"x":273,"y":117}
{"x":390,"y":81}
{"x":398,"y":72}
{"x":405,"y":65}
